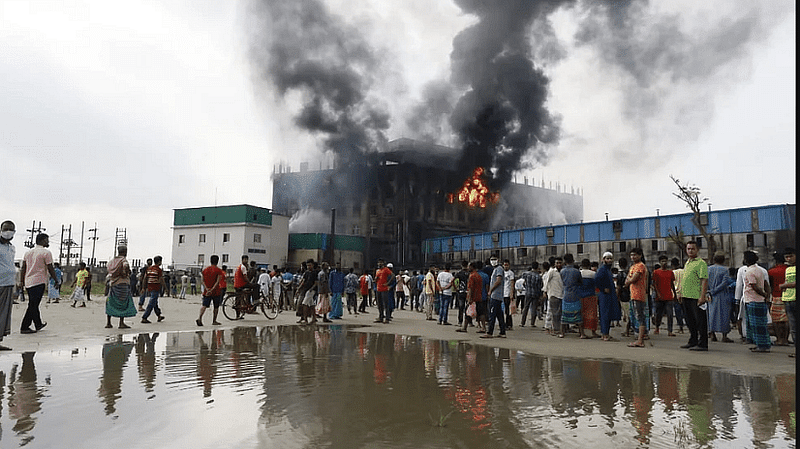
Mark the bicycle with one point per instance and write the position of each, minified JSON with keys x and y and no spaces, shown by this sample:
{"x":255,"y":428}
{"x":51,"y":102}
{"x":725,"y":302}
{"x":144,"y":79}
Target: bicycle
{"x":237,"y":304}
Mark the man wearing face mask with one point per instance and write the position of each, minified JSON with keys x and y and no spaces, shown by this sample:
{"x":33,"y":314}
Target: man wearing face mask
{"x":37,"y":264}
{"x":7,"y":275}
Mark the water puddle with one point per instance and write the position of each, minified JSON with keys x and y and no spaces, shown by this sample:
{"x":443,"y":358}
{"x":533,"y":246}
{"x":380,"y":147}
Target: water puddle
{"x":299,"y":387}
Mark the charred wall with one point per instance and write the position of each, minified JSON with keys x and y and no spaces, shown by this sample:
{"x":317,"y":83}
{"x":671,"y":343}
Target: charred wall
{"x":399,"y":198}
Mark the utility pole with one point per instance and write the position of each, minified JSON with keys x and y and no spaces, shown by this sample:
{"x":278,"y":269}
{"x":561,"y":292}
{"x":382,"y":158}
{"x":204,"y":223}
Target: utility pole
{"x":69,"y":243}
{"x":34,"y":230}
{"x":93,"y":238}
{"x":80,"y":257}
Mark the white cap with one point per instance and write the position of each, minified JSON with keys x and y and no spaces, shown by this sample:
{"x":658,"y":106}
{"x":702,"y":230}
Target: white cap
{"x":607,"y":254}
{"x":390,"y":265}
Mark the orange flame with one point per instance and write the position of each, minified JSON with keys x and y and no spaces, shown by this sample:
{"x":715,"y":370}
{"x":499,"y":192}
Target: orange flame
{"x":475,"y":193}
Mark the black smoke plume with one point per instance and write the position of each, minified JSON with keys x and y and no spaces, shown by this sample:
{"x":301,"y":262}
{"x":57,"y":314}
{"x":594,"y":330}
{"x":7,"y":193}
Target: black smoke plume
{"x":503,"y":115}
{"x":302,"y":48}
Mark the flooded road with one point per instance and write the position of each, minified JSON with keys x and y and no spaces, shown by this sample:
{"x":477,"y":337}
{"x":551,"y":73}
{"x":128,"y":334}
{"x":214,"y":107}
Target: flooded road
{"x":328,"y":387}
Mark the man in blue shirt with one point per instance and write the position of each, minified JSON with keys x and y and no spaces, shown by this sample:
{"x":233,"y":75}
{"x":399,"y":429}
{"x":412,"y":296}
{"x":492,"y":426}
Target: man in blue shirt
{"x":496,"y":301}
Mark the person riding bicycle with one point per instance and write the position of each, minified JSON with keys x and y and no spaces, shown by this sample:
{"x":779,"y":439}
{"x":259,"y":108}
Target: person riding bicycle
{"x":241,"y":280}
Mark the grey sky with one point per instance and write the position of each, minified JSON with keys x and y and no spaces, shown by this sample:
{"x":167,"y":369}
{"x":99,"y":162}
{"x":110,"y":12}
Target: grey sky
{"x":116,"y":113}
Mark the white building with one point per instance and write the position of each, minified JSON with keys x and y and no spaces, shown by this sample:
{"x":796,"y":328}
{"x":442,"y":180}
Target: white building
{"x":229,"y":232}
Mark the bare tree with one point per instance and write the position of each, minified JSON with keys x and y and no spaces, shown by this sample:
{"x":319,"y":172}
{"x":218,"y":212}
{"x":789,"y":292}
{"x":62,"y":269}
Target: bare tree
{"x":690,"y":194}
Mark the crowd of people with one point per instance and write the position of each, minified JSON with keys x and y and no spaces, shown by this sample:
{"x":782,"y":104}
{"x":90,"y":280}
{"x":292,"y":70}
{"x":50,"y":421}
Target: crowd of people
{"x":565,"y":295}
{"x":585,"y":298}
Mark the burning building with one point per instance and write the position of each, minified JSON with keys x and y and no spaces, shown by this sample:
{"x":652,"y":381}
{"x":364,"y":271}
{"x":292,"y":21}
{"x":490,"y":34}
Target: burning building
{"x":411,"y":192}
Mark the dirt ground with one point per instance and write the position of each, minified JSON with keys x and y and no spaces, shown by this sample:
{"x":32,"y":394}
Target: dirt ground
{"x":71,"y":327}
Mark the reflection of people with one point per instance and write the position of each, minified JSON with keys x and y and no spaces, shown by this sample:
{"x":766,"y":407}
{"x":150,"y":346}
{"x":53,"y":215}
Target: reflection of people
{"x":25,"y":398}
{"x":207,"y":362}
{"x":115,"y":356}
{"x":146,"y":359}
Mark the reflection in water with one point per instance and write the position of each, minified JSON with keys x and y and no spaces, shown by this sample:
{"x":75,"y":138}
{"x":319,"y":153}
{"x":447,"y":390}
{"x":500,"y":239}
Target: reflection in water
{"x":24,"y":397}
{"x":313,"y":386}
{"x":146,"y":360}
{"x":115,"y":356}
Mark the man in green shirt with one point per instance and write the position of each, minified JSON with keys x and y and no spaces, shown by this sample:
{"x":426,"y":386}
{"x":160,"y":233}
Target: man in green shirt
{"x":692,"y":296}
{"x":789,"y":295}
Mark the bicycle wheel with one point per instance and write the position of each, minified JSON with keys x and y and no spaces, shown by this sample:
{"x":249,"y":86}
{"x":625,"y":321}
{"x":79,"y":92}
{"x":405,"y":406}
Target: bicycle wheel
{"x":269,"y":308}
{"x":229,"y":308}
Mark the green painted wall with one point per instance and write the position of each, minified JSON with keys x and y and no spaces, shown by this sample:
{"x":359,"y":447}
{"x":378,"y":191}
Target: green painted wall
{"x":242,"y":213}
{"x":320,"y":241}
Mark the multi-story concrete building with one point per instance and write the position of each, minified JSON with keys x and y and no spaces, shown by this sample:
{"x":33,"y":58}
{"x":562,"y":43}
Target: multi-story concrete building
{"x":763,"y":229}
{"x":229,"y":232}
{"x":398,"y":198}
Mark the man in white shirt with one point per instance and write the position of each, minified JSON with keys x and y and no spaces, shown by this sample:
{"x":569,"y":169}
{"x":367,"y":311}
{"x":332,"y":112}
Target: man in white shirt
{"x":445,"y":286}
{"x":554,"y":288}
{"x":509,"y":295}
{"x":264,"y":282}
{"x":277,"y":287}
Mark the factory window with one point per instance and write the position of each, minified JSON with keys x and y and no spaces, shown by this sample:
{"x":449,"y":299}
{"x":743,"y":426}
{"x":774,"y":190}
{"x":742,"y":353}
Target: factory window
{"x":356,"y":230}
{"x":226,"y":237}
{"x":621,"y":247}
{"x":181,"y":239}
{"x":201,"y":259}
{"x":202,"y":238}
{"x":756,"y":240}
{"x":388,"y":210}
{"x":580,"y":248}
{"x":373,"y":230}
{"x":522,"y":252}
{"x":256,"y":238}
{"x":552,"y":250}
{"x":225,"y":258}
{"x":699,"y":241}
{"x":654,"y":245}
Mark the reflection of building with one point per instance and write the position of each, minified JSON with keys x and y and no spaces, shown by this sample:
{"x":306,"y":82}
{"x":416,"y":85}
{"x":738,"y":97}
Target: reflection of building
{"x":229,"y":232}
{"x":398,"y":198}
{"x":761,"y":229}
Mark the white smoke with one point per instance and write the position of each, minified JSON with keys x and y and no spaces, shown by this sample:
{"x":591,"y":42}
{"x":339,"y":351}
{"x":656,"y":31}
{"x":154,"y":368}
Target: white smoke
{"x":309,"y":220}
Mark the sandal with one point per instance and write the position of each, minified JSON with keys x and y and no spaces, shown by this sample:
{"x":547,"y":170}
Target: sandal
{"x":486,"y":336}
{"x":635,"y":345}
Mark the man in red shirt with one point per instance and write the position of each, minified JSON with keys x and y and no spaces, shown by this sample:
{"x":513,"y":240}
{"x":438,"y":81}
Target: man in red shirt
{"x":213,"y":278}
{"x":154,"y":280}
{"x":474,"y":296}
{"x":664,"y":286}
{"x":241,"y":279}
{"x":383,"y":277}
